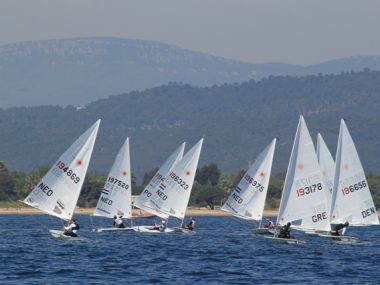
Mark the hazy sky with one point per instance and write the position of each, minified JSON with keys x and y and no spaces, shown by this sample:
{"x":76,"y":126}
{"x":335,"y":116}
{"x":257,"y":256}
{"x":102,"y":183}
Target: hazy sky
{"x":300,"y":32}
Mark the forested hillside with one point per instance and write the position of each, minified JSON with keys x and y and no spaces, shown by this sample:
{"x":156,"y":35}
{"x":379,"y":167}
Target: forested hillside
{"x":237,"y":121}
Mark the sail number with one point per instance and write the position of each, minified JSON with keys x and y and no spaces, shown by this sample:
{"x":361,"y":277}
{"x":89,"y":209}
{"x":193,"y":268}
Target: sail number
{"x":118,"y":182}
{"x":308,"y":189}
{"x":254,"y":183}
{"x":69,"y":172}
{"x":160,"y":177}
{"x":178,"y":179}
{"x":355,"y":187}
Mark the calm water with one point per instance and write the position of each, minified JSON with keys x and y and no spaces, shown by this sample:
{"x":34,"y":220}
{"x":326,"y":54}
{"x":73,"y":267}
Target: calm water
{"x":222,"y":251}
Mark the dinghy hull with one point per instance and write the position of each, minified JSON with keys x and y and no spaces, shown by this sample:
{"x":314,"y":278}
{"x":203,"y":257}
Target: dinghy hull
{"x":59,"y":233}
{"x":183,"y":230}
{"x":285,"y":240}
{"x":349,"y":239}
{"x":100,"y":230}
{"x":263,"y":231}
{"x":148,"y":229}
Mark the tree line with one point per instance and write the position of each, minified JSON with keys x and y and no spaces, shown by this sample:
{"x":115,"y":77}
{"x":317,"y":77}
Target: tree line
{"x":211,"y":187}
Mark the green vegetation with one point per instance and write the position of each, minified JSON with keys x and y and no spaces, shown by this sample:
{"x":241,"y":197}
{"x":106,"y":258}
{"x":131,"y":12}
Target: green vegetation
{"x":237,"y":121}
{"x":211,"y":187}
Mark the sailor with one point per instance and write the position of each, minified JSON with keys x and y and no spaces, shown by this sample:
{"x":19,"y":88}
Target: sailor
{"x":118,"y":222}
{"x":270,"y":225}
{"x":338,"y":230}
{"x":191,"y":225}
{"x":71,"y":229}
{"x":285,"y":231}
{"x":160,"y":227}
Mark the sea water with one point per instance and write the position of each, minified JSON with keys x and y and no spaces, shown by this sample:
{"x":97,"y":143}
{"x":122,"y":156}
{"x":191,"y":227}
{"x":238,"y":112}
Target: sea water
{"x":222,"y":251}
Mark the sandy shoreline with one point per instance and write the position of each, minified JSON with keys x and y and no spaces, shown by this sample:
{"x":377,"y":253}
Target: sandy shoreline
{"x":89,"y":211}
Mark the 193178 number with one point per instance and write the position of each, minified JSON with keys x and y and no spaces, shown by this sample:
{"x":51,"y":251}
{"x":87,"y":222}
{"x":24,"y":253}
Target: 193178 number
{"x":308,"y":189}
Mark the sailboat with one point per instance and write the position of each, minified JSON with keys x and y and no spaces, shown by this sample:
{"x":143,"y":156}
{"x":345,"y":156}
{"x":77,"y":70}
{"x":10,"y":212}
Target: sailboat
{"x":115,"y":198}
{"x":247,"y":200}
{"x":58,"y":191}
{"x":351,"y":200}
{"x":145,"y":201}
{"x":171,"y":196}
{"x":304,"y":199}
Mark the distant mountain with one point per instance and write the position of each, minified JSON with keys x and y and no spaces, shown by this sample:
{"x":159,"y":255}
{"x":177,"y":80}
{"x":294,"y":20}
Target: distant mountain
{"x":79,"y":71}
{"x":237,"y":121}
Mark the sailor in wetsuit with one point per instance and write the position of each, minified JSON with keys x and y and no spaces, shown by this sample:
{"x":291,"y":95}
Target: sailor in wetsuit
{"x":285,"y":231}
{"x":191,"y":225}
{"x":160,"y":227}
{"x":71,"y":229}
{"x":270,"y":225}
{"x":118,"y":222}
{"x":338,"y":230}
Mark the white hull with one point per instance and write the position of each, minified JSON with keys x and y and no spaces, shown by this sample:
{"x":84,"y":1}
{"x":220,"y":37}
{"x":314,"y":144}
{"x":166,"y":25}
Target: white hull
{"x":349,"y":239}
{"x":59,"y":233}
{"x":316,"y":233}
{"x":285,"y":240}
{"x":100,"y":230}
{"x":183,"y":230}
{"x":263,"y":231}
{"x":148,"y":229}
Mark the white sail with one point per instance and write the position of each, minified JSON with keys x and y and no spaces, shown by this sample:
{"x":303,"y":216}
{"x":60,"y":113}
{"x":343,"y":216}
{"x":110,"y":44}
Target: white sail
{"x":304,"y":201}
{"x":174,"y":191}
{"x":247,"y":200}
{"x":115,"y":198}
{"x":351,"y":200}
{"x":147,"y":199}
{"x":58,"y":191}
{"x":327,"y":165}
